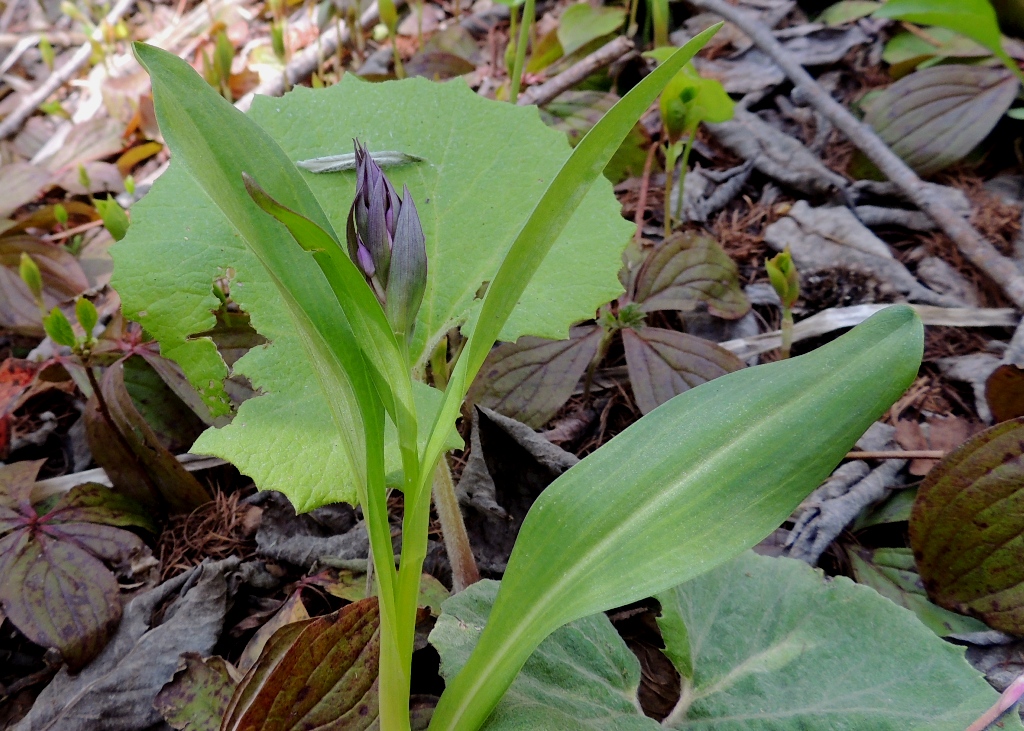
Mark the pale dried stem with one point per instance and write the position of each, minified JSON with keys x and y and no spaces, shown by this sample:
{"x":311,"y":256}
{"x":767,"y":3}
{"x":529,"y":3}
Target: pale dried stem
{"x":603,"y":56}
{"x":456,"y":541}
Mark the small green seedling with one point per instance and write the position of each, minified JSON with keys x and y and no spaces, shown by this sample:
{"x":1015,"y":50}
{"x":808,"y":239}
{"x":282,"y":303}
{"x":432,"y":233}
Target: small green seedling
{"x":786,"y":280}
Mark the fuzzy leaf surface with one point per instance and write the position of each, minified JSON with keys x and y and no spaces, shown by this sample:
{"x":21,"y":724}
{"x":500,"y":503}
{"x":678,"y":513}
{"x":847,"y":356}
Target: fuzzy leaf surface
{"x":967,"y":528}
{"x":687,"y":272}
{"x":581,"y":678}
{"x":936,"y":116}
{"x":665,"y":363}
{"x":766,"y":644}
{"x":530,"y":379}
{"x":486,"y":165}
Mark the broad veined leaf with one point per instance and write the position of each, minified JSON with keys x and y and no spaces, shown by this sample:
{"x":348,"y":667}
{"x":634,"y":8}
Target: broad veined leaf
{"x":530,"y":379}
{"x":694,"y":482}
{"x":766,"y":644}
{"x":665,"y":363}
{"x":198,"y":694}
{"x":892,"y":573}
{"x":314,"y":674}
{"x":935,"y":116}
{"x":486,"y":164}
{"x":967,"y":528}
{"x":975,"y":19}
{"x":689,"y":271}
{"x":581,"y":678}
{"x":56,"y":587}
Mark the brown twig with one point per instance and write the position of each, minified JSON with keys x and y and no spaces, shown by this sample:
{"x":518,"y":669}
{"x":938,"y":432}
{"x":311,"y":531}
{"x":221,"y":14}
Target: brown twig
{"x":899,"y":454}
{"x":645,"y":187}
{"x":603,"y":56}
{"x":979,"y":251}
{"x":456,"y":540}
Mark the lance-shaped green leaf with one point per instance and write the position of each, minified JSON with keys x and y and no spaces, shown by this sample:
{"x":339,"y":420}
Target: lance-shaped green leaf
{"x":693,"y":483}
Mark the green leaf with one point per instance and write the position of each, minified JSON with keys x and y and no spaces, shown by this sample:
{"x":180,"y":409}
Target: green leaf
{"x":581,"y":678}
{"x":582,"y":23}
{"x":846,"y":11}
{"x":690,"y":99}
{"x":115,"y":220}
{"x":975,"y":19}
{"x":695,"y":482}
{"x":891,"y":572}
{"x":85,"y":313}
{"x":197,"y":696}
{"x":470,"y":211}
{"x":936,"y":116}
{"x":773,"y":647}
{"x":59,"y":329}
{"x":967,"y":527}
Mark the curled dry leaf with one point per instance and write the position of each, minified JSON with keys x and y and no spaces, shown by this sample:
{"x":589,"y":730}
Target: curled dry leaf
{"x":56,"y":586}
{"x":967,"y":527}
{"x":130,"y":452}
{"x":323,"y":671}
{"x":665,"y":363}
{"x":689,"y":271}
{"x":530,"y":379}
{"x":934,"y":117}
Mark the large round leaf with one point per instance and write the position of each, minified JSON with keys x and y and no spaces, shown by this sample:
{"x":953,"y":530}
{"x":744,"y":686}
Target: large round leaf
{"x":485,"y":166}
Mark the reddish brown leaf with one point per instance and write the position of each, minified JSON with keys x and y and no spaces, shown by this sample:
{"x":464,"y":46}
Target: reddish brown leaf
{"x":689,"y":271}
{"x":137,"y":463}
{"x":530,"y":379}
{"x":967,"y":528}
{"x":1004,"y":392}
{"x":293,"y":610}
{"x":664,"y":363}
{"x":63,"y":279}
{"x":316,"y":674}
{"x":940,"y":432}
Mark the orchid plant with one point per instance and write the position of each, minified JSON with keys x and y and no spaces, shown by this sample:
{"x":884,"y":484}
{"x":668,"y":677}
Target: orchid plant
{"x":687,"y":487}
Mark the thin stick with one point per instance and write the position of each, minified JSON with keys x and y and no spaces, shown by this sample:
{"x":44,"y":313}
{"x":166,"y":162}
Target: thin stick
{"x":899,"y":454}
{"x":603,"y":56}
{"x":56,"y":38}
{"x":456,"y":540}
{"x":967,"y":239}
{"x":60,"y":76}
{"x":645,"y":186}
{"x":1006,"y":701}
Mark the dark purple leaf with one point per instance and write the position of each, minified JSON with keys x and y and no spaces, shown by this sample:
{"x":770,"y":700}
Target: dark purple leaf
{"x":530,"y":379}
{"x":664,"y":363}
{"x":315,"y":674}
{"x":112,"y":545}
{"x":935,"y":116}
{"x":689,"y":271}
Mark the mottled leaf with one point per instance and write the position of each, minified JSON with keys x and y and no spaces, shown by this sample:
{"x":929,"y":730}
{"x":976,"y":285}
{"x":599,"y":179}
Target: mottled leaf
{"x":664,"y":363}
{"x":1004,"y":392}
{"x":63,"y":279}
{"x":16,"y":481}
{"x":131,"y":453}
{"x":530,"y":379}
{"x":967,"y":528}
{"x":936,"y":116}
{"x":689,"y":271}
{"x":581,"y":678}
{"x":198,"y":694}
{"x":766,"y":644}
{"x":317,"y":674}
{"x":892,"y":573}
{"x":846,"y":11}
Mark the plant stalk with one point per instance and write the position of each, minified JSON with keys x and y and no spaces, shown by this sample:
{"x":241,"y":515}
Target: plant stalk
{"x":456,"y":541}
{"x":684,"y":165}
{"x":524,"y":37}
{"x":787,"y":331}
{"x":671,"y":157}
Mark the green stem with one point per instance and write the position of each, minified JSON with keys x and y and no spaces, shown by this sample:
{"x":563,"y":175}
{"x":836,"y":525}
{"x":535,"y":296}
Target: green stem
{"x":787,"y":331}
{"x":524,"y":36}
{"x":439,"y":364}
{"x":671,"y":156}
{"x":682,"y":171}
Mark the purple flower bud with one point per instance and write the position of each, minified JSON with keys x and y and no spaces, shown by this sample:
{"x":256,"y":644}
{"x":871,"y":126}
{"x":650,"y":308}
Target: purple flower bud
{"x":386,"y":241}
